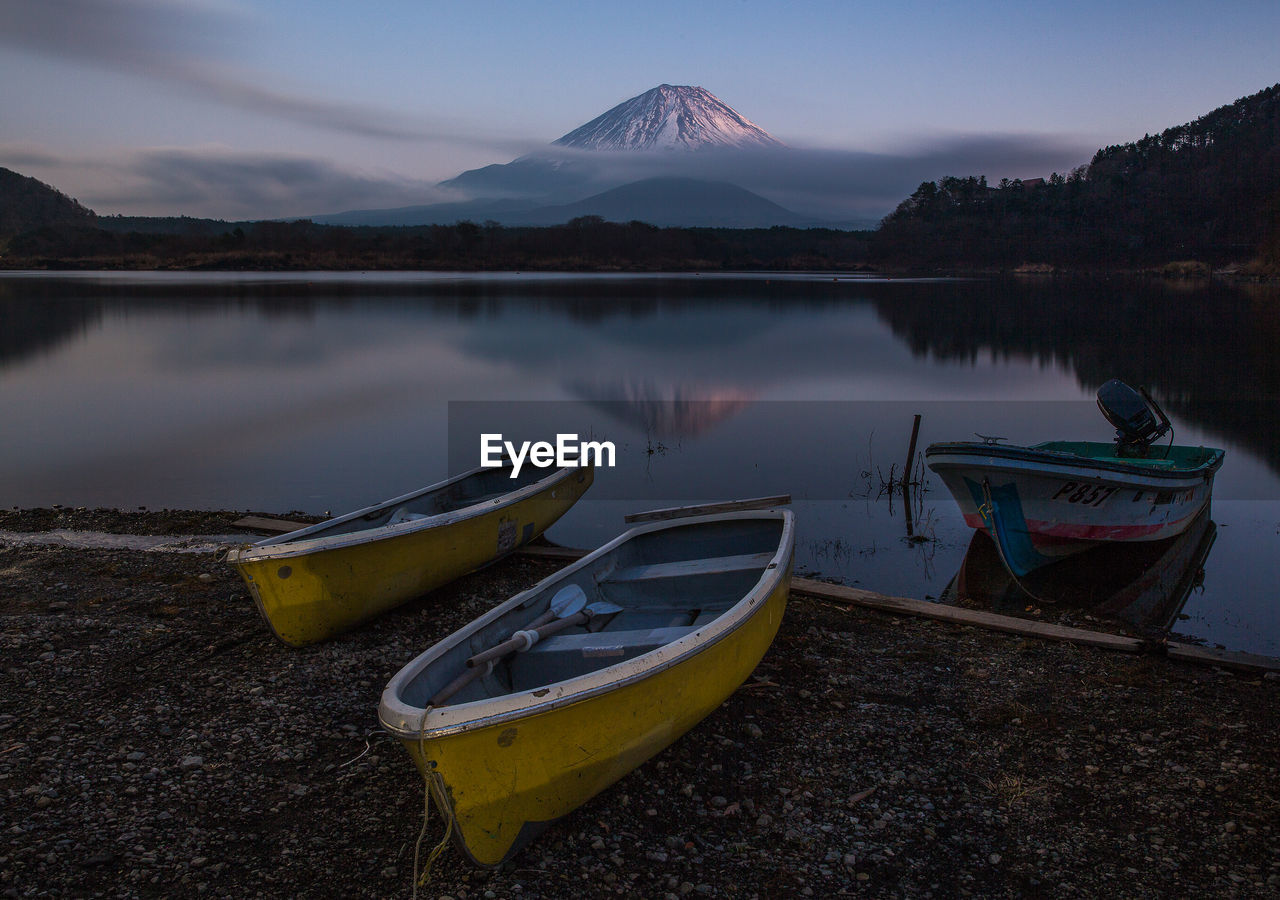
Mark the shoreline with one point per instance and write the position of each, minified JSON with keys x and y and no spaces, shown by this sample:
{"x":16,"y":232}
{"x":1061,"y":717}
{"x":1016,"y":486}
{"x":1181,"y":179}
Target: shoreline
{"x":1174,"y":272}
{"x":156,"y":740}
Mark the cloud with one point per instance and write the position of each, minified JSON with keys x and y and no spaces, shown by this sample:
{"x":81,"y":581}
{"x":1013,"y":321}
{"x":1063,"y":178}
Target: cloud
{"x":218,"y":183}
{"x":189,"y":44}
{"x":817,"y":180}
{"x":826,"y":184}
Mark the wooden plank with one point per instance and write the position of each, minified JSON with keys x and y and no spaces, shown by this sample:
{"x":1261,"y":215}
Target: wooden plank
{"x":262,"y":523}
{"x":570,"y":554}
{"x":1228,"y":659}
{"x":960,"y":616}
{"x":706,"y":509}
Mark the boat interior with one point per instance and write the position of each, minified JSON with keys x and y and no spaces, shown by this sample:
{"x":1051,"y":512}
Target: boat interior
{"x":1158,"y":457}
{"x":477,"y":487}
{"x":649,"y":591}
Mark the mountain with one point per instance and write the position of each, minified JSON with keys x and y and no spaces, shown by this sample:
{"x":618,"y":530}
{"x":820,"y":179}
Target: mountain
{"x":669,"y":118}
{"x":619,"y":166}
{"x":26,"y":204}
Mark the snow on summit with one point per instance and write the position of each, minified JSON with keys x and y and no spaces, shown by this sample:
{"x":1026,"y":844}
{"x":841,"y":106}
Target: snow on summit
{"x":669,"y":118}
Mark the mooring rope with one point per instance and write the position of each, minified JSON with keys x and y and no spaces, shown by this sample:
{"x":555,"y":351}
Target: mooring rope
{"x":433,"y":782}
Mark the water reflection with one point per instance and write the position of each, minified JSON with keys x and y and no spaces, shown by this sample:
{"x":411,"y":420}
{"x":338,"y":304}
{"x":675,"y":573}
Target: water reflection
{"x":29,"y":326}
{"x":1206,"y":351}
{"x":668,"y":411}
{"x":1145,"y":585}
{"x":317,"y":392}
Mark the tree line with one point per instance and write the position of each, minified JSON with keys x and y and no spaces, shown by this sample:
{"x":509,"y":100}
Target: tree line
{"x":587,"y":244}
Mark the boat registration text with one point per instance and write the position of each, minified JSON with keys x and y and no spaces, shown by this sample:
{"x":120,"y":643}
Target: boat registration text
{"x":1083,"y":493}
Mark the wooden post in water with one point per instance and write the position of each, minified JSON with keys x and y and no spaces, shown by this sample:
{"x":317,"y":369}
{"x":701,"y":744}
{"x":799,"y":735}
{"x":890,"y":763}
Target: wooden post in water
{"x":906,"y":474}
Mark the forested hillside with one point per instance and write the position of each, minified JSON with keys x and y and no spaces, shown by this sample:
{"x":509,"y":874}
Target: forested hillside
{"x":1207,"y":190}
{"x":26,"y":203}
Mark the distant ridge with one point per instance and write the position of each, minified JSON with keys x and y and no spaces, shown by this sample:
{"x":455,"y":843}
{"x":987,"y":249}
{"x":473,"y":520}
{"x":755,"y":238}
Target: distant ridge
{"x":669,"y":117}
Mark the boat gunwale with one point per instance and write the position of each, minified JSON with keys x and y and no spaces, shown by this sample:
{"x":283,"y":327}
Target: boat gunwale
{"x":969,"y":454}
{"x":461,"y":718}
{"x":287,"y":546}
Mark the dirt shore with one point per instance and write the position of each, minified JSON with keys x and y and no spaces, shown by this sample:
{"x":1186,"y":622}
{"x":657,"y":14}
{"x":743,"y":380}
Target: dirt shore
{"x":155,"y":740}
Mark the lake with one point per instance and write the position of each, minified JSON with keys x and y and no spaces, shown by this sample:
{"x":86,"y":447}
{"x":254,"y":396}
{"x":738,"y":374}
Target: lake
{"x":321,"y":392}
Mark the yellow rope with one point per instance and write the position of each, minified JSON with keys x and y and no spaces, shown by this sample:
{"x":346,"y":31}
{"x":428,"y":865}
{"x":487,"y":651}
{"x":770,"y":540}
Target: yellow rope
{"x":434,"y":783}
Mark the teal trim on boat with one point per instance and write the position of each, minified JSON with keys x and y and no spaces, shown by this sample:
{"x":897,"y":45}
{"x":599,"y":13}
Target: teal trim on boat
{"x":1179,"y":462}
{"x":1176,"y":458}
{"x":1001,"y":512}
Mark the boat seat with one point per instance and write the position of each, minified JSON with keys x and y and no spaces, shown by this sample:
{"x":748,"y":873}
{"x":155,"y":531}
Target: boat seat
{"x":564,"y":656}
{"x":716,"y":565}
{"x":649,"y":616}
{"x":402,"y":514}
{"x":708,"y":615}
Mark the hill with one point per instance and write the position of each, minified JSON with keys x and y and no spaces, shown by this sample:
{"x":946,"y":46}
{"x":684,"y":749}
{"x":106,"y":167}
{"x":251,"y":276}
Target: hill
{"x":681,"y":202}
{"x":1206,"y":190}
{"x":26,"y":203}
{"x":668,"y":202}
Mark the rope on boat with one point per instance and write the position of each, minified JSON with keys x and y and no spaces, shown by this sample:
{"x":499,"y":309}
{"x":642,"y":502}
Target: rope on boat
{"x":220,"y":555}
{"x":434,"y":783}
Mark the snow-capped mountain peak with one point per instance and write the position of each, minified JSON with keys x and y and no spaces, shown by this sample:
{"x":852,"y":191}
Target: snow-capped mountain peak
{"x":669,"y":117}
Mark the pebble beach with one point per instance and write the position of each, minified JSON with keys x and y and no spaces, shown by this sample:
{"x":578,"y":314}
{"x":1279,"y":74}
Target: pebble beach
{"x":157,"y":741}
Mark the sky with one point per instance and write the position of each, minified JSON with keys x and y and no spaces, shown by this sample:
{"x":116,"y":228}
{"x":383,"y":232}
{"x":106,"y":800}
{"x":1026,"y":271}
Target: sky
{"x":255,"y":109}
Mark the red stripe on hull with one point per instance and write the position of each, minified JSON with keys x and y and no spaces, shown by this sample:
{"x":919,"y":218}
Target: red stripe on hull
{"x":1049,"y":534}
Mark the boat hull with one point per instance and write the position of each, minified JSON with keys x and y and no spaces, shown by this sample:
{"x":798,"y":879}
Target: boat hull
{"x":312,"y":590}
{"x":1040,"y":506}
{"x":513,"y":765}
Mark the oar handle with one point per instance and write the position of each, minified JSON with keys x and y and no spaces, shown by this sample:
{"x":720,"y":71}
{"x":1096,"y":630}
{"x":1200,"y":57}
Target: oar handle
{"x":467,"y":676}
{"x":523,"y":640}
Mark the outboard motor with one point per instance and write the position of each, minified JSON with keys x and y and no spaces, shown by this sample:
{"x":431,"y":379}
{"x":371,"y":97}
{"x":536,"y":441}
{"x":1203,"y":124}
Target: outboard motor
{"x":1136,"y":417}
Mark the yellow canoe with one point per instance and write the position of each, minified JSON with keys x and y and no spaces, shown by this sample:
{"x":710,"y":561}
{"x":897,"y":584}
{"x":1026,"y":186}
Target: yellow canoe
{"x":320,"y":581}
{"x":677,"y":614}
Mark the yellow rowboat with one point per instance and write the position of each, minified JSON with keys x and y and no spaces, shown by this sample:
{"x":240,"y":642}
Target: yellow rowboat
{"x":320,"y":581}
{"x":635,"y":644}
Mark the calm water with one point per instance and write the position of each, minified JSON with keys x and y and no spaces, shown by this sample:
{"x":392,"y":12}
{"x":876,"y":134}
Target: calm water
{"x":325,"y":392}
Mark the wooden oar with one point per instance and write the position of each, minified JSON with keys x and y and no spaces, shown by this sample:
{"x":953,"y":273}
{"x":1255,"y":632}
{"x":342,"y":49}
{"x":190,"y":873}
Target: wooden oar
{"x":567,"y":601}
{"x":592,"y":617}
{"x":567,"y":604}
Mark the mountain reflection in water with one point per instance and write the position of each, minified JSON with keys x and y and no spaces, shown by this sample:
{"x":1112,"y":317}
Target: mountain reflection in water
{"x":665,"y":411}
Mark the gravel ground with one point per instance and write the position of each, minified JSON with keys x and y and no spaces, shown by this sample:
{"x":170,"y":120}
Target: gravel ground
{"x":156,"y":741}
